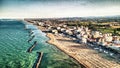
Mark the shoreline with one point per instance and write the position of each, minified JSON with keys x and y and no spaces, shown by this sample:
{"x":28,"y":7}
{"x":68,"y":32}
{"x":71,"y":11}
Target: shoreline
{"x":84,"y":63}
{"x":85,"y":56}
{"x":50,"y":41}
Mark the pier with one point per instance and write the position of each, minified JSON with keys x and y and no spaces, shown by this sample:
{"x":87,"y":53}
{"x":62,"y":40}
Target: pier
{"x":31,"y":48}
{"x":38,"y":60}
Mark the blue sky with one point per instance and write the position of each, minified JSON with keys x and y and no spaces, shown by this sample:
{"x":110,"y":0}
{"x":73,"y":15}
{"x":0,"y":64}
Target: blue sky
{"x":58,"y":8}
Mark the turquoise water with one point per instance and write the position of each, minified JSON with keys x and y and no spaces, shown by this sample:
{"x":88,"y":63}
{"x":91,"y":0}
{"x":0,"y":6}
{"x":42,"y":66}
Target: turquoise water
{"x":13,"y":47}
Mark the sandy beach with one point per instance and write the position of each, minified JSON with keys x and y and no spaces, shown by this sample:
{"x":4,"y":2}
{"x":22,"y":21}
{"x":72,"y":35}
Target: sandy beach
{"x":80,"y":52}
{"x":84,"y":55}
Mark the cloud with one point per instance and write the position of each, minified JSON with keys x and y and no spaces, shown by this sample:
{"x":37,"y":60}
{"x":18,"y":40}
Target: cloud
{"x":61,"y":8}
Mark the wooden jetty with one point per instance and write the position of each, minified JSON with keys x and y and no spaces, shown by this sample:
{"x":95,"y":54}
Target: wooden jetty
{"x":38,"y":60}
{"x":31,"y":48}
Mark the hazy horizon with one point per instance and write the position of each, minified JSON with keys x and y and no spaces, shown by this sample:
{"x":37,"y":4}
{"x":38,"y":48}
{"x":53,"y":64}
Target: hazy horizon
{"x":58,"y":8}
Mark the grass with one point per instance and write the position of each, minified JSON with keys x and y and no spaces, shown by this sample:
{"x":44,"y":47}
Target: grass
{"x":106,"y":30}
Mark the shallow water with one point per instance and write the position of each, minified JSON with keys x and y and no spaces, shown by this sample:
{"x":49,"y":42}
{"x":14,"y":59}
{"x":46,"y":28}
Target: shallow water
{"x":13,"y":47}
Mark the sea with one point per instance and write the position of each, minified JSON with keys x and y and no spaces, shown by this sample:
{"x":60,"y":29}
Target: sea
{"x":14,"y":36}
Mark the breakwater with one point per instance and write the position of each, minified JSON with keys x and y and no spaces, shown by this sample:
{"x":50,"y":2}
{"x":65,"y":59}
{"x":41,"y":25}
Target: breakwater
{"x":14,"y":43}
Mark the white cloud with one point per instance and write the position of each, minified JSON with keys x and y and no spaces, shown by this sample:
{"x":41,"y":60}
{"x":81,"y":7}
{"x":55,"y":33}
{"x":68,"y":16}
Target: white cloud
{"x":58,"y":11}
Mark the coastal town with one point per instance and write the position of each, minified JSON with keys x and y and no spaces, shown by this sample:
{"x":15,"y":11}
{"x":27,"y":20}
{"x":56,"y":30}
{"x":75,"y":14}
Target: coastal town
{"x":59,"y":33}
{"x":93,"y":43}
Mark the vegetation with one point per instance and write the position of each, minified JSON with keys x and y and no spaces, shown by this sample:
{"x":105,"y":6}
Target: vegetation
{"x":102,"y":27}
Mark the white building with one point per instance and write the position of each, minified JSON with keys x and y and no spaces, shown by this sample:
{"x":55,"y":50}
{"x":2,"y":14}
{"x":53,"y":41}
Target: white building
{"x":84,"y":40}
{"x":54,"y":31}
{"x":64,"y":26}
{"x":62,"y":29}
{"x":58,"y":28}
{"x":109,"y":39}
{"x":96,"y":34}
{"x":79,"y":36}
{"x":85,"y":36}
{"x":69,"y":32}
{"x":40,"y":23}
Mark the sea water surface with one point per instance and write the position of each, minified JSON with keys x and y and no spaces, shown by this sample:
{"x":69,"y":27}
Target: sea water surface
{"x":14,"y":44}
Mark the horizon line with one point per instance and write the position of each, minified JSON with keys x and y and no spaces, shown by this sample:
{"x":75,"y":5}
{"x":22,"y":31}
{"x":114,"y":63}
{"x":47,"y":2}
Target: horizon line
{"x":57,"y":17}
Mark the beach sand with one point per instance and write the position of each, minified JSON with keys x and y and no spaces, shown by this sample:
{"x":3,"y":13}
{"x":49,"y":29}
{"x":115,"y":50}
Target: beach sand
{"x":83,"y":54}
{"x":80,"y":52}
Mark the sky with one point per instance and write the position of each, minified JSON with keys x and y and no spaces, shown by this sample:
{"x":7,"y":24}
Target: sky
{"x":58,"y":8}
